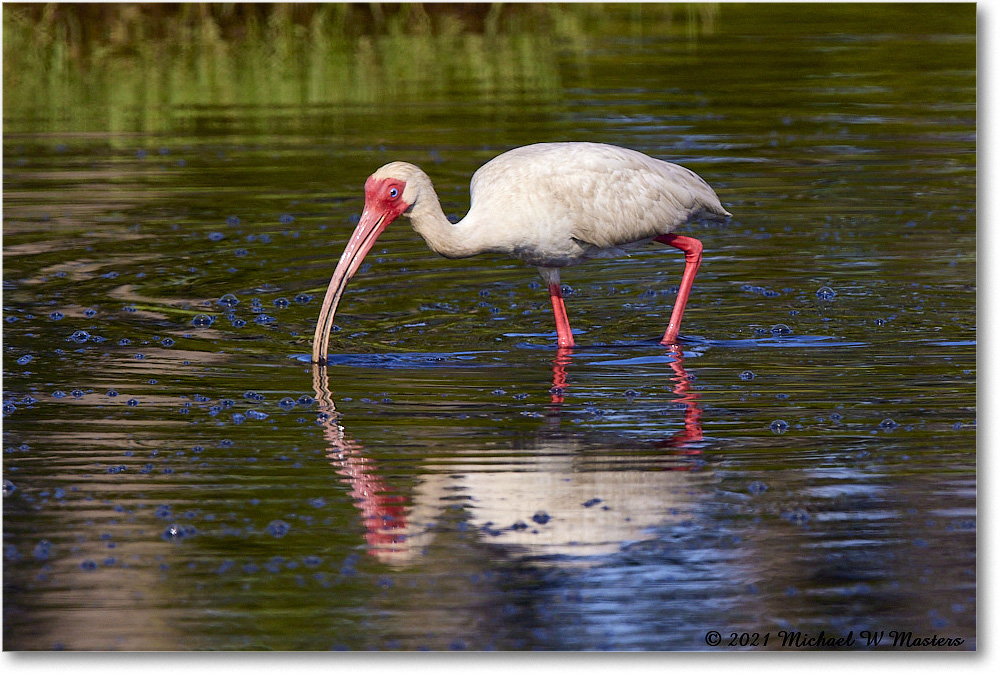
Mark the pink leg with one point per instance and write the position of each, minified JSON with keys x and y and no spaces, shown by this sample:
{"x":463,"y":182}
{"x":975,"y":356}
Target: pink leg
{"x":562,"y":321}
{"x":692,"y":260}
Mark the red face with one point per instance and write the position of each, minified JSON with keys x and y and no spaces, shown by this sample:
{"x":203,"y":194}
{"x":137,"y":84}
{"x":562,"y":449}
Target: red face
{"x":385,"y":196}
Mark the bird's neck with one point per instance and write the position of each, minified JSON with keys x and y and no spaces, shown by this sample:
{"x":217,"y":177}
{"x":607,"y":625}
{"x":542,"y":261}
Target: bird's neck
{"x":452,"y":240}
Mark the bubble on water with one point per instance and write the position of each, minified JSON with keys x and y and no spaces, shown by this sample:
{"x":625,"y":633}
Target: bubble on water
{"x":498,"y":392}
{"x":826,"y":293}
{"x":306,"y":400}
{"x":779,"y":426}
{"x":139,"y":357}
{"x":232,"y":221}
{"x":541,"y":517}
{"x":880,"y":322}
{"x":780,"y":329}
{"x":8,"y":488}
{"x":58,"y":394}
{"x":124,"y":342}
{"x":888,"y":424}
{"x":287,"y":403}
{"x":239,"y":323}
{"x":168,"y":342}
{"x":796,"y":516}
{"x":88,"y":565}
{"x":110,"y":275}
{"x":782,"y":397}
{"x":9,"y":408}
{"x":132,"y":402}
{"x":42,"y":550}
{"x":216,"y":236}
{"x":281,"y":303}
{"x":317,"y":502}
{"x":202,"y":321}
{"x":77,"y":393}
{"x":90,"y":313}
{"x":286,"y":219}
{"x":747,"y":375}
{"x":836,"y":417}
{"x":257,"y":415}
{"x":111,"y":393}
{"x":278,"y":528}
{"x":240,"y":253}
{"x":176,"y":532}
{"x":57,"y":316}
{"x":80,"y":336}
{"x":303,"y":298}
{"x":239,"y":418}
{"x":757,"y":487}
{"x":228,"y":300}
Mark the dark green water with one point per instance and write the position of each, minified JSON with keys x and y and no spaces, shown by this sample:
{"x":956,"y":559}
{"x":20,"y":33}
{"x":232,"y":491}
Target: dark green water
{"x":175,"y":485}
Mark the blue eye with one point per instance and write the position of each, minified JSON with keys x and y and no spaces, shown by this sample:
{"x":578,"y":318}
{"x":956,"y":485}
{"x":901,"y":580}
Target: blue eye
{"x":393,"y":192}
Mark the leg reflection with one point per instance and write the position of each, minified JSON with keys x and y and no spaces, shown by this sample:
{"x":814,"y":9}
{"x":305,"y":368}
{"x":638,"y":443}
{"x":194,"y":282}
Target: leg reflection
{"x":687,"y":396}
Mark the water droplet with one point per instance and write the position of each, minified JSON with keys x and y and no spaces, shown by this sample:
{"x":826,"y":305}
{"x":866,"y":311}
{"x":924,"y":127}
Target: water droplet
{"x":286,"y":403}
{"x":9,"y":408}
{"x":202,"y":321}
{"x":303,"y":298}
{"x":80,"y":336}
{"x":228,"y":300}
{"x":42,"y":550}
{"x":747,"y":375}
{"x":168,"y":342}
{"x":826,"y":293}
{"x":281,"y":303}
{"x":56,"y":316}
{"x":278,"y":528}
{"x":779,"y":426}
{"x":305,"y":400}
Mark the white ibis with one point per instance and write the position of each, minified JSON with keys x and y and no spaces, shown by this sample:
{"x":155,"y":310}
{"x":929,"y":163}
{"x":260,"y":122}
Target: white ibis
{"x":551,"y":205}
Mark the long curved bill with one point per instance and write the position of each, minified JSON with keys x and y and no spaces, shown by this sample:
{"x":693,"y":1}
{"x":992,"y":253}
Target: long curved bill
{"x":371,"y":225}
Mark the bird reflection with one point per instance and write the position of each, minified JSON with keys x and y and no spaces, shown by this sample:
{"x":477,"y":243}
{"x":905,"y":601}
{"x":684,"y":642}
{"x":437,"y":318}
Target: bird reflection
{"x":560,"y":494}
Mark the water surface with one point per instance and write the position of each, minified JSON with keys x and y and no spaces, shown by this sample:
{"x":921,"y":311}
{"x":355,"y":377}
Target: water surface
{"x":178,"y":476}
